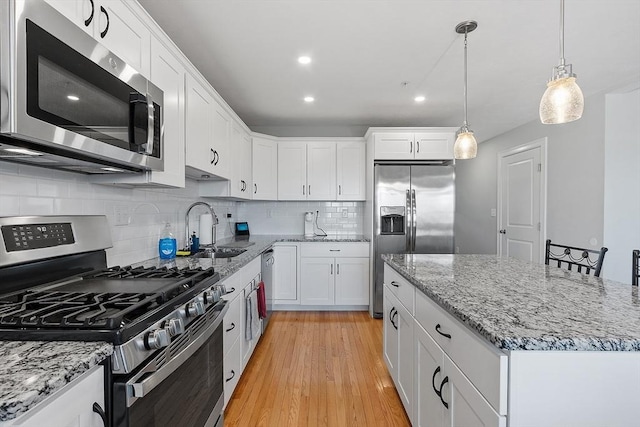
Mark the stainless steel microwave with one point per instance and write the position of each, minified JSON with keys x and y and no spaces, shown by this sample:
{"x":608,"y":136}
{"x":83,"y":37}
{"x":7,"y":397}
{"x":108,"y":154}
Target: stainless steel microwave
{"x":68,"y":102}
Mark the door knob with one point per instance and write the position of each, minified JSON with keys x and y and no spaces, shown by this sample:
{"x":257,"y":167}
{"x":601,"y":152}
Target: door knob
{"x":503,"y":231}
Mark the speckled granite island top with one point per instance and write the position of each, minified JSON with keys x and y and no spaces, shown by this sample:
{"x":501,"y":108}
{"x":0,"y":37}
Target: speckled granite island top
{"x":30,"y":371}
{"x":521,"y":306}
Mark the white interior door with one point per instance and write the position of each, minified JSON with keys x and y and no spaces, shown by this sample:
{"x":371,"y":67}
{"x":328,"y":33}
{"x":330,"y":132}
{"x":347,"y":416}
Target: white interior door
{"x":520,"y":184}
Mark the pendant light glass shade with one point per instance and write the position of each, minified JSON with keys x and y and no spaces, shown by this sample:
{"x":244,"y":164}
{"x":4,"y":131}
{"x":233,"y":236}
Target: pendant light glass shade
{"x":466,"y":146}
{"x":563,"y":101}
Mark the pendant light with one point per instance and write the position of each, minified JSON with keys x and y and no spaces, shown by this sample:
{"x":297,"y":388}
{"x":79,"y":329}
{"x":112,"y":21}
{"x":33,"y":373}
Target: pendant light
{"x":562,"y":102}
{"x":465,"y":146}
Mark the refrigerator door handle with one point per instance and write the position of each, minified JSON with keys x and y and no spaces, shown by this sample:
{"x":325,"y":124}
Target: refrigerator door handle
{"x":414,"y":220}
{"x":408,"y":224}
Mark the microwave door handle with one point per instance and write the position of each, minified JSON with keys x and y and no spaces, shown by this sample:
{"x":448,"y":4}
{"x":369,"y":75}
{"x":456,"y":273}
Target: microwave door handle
{"x":151,"y":125}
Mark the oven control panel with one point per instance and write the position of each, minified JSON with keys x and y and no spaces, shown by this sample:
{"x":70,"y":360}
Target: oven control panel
{"x":36,"y":236}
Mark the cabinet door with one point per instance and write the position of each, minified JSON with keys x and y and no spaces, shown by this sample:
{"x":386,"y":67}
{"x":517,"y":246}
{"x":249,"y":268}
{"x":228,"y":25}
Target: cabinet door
{"x":265,"y":169}
{"x":405,"y":323}
{"x":317,"y":281}
{"x":199,"y":127}
{"x":393,"y":146}
{"x":467,"y":407}
{"x":77,"y":11}
{"x":71,"y":406}
{"x":321,"y":171}
{"x":434,"y":145}
{"x":350,"y":170}
{"x":352,"y":281}
{"x":246,"y":174}
{"x":120,"y":31}
{"x":292,"y":171}
{"x":168,"y":74}
{"x":285,"y":274}
{"x":232,"y":367}
{"x":390,"y":333}
{"x":221,"y":165}
{"x":429,"y":373}
{"x":236,"y":179}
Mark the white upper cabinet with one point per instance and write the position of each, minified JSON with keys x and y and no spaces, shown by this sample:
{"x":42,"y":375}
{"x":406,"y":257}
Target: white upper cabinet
{"x":306,"y":170}
{"x":200,"y":154}
{"x":114,"y":25}
{"x":292,"y":171}
{"x":428,"y":144}
{"x":321,"y":171}
{"x":265,"y":169}
{"x":350,"y":170}
{"x":240,"y":184}
{"x":221,"y":141}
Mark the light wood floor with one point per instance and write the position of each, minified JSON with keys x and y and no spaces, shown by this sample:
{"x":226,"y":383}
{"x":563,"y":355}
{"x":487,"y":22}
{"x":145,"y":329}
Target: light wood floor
{"x":317,"y":369}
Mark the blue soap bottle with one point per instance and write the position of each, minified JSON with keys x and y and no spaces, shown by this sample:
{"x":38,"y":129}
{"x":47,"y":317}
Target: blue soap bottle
{"x":167,"y":244}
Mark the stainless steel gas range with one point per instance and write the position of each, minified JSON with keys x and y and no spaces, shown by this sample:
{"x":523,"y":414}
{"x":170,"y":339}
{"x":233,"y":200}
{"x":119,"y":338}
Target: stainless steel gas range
{"x":165,"y":324}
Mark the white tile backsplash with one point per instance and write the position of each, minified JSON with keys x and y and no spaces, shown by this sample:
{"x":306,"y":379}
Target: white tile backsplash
{"x":28,"y":190}
{"x":288,"y":217}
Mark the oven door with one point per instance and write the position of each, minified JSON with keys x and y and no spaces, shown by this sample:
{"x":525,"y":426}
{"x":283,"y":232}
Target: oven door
{"x":185,"y":390}
{"x":74,"y":95}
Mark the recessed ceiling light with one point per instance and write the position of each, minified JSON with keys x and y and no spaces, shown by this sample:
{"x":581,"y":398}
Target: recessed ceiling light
{"x":73,"y":98}
{"x":309,"y":99}
{"x":419,"y":98}
{"x":304,"y":60}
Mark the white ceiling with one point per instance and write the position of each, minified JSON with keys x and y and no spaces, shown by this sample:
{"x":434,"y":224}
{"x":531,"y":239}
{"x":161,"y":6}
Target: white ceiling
{"x":363,"y":50}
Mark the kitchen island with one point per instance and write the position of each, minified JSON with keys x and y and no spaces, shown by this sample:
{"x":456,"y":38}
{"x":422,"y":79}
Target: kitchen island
{"x":537,"y":345}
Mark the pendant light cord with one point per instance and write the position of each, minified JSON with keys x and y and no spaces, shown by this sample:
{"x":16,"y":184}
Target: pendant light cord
{"x":465,"y":78}
{"x":562,"y":33}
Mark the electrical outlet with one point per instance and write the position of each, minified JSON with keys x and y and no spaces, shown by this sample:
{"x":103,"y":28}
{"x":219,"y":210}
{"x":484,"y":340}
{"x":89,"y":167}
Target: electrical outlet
{"x":228,"y":215}
{"x":122,"y":215}
{"x":269,"y":213}
{"x":345,"y":213}
{"x":493,"y":212}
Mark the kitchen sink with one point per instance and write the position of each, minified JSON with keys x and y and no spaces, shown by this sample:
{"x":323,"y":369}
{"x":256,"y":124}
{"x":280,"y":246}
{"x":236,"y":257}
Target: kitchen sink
{"x":220,"y":253}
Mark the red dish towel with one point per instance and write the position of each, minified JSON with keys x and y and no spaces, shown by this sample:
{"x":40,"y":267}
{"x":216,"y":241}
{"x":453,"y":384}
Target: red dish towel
{"x":262,"y":301}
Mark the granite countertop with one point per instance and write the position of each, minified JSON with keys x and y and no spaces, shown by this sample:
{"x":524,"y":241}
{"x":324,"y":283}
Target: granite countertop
{"x":228,"y":266}
{"x":33,"y":370}
{"x":522,"y":306}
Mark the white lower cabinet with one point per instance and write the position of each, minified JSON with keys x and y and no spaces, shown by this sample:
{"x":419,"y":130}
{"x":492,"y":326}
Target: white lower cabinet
{"x":422,"y":360}
{"x":285,"y":274}
{"x":237,"y":350}
{"x":334,"y":274}
{"x":72,"y":406}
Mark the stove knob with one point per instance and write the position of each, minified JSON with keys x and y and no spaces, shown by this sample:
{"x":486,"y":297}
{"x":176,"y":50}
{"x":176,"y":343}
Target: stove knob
{"x":209,"y":297}
{"x":195,"y":308}
{"x":157,"y":339}
{"x":175,"y":327}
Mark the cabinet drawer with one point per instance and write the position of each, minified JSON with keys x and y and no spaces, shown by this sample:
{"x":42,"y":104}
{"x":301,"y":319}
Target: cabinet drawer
{"x":336,"y":250}
{"x":482,"y":363}
{"x":400,"y":287}
{"x":232,"y":323}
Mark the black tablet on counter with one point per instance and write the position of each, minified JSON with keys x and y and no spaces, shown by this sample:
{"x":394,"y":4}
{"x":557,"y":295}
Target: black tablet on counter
{"x":242,"y":229}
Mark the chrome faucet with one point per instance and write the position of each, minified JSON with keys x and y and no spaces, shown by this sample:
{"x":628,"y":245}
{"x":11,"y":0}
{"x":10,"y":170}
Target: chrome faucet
{"x":214,"y":222}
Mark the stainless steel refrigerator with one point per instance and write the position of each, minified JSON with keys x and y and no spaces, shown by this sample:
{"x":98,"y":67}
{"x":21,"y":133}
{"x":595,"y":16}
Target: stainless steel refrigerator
{"x":413,"y":213}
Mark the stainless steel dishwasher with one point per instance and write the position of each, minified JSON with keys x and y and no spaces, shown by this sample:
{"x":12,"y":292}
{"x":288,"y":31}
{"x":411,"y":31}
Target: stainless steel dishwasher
{"x":267,"y":278}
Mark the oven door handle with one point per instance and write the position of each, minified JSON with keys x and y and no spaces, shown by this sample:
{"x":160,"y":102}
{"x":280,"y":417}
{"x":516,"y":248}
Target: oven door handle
{"x":140,"y":389}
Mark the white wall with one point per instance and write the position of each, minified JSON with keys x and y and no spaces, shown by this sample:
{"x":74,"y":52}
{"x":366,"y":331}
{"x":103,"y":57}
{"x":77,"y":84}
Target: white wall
{"x":575,"y":174}
{"x":288,"y":217}
{"x":621,"y":183}
{"x":27,"y":190}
